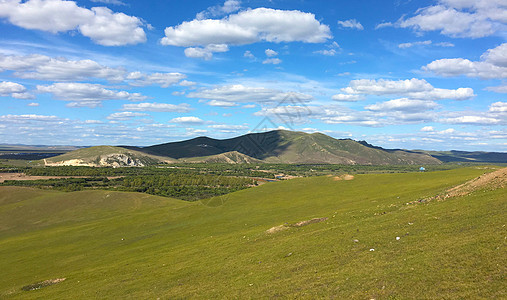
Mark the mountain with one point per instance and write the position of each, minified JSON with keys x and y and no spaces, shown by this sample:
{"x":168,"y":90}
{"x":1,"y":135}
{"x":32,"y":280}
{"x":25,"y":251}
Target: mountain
{"x":233,"y":157}
{"x":105,"y":156}
{"x":282,"y":146}
{"x":465,"y":156}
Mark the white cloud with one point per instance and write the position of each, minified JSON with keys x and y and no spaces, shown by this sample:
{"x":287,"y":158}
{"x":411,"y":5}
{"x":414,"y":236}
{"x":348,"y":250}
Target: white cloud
{"x":187,"y":120}
{"x":352,"y":23}
{"x":472,"y":120}
{"x":498,"y":107}
{"x":86,"y":94}
{"x":326,"y":52}
{"x":346,"y":97}
{"x":33,"y":104}
{"x":163,"y":79}
{"x":409,"y":45}
{"x":205,"y":53}
{"x":240,"y":93}
{"x":403,"y":104}
{"x":273,"y":61}
{"x":221,"y":103}
{"x":247,"y":27}
{"x":384,"y":25}
{"x":457,"y":18}
{"x":27,"y":118}
{"x":229,"y":6}
{"x":187,"y":83}
{"x":100,"y":24}
{"x":14,"y":90}
{"x":493,"y":64}
{"x":496,"y":56}
{"x":427,"y":129}
{"x":126,"y":115}
{"x":248,"y":54}
{"x":157,"y":107}
{"x":498,"y":89}
{"x":113,"y":2}
{"x":413,"y":88}
{"x":270,"y":53}
{"x":42,"y":67}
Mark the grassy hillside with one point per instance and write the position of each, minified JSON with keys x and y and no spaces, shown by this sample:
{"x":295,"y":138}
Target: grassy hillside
{"x":138,"y":246}
{"x":282,"y":146}
{"x":106,"y":156}
{"x":233,"y":157}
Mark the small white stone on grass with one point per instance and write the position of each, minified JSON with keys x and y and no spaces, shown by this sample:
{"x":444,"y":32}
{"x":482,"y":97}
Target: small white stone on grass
{"x":397,"y":238}
{"x":372,"y":249}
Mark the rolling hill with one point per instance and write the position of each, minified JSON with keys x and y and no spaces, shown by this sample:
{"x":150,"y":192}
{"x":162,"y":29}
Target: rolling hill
{"x":100,"y":156}
{"x":375,"y":236}
{"x":282,"y":146}
{"x":233,"y":157}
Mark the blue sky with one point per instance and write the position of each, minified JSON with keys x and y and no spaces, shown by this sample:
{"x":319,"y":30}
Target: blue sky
{"x":398,"y":74}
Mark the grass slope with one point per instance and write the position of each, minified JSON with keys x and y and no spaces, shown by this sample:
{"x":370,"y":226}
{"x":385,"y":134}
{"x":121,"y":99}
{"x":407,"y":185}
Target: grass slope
{"x":106,"y":156}
{"x":282,"y":146}
{"x":137,"y":246}
{"x":233,"y":157}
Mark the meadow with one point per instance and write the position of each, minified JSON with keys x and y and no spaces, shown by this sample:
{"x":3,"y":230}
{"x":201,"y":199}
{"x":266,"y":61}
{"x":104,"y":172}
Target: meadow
{"x":382,"y":239}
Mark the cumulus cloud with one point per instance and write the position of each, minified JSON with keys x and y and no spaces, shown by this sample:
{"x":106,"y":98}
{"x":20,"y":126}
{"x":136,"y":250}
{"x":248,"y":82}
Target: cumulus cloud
{"x":126,"y":115}
{"x":163,"y":79}
{"x":498,"y":107}
{"x":347,"y":97}
{"x":86,"y":94}
{"x":113,"y":2}
{"x":270,"y":53}
{"x":30,"y":117}
{"x":43,"y":67}
{"x":229,"y":6}
{"x":273,"y":61}
{"x":412,"y":88}
{"x":14,"y":90}
{"x":326,"y":52}
{"x":246,"y":27}
{"x":205,"y":53}
{"x":187,"y":120}
{"x":409,"y":45}
{"x":427,"y":129}
{"x":157,"y":107}
{"x":221,"y":103}
{"x":240,"y":93}
{"x":403,"y":104}
{"x":493,"y":64}
{"x":458,"y":18}
{"x":472,"y":120}
{"x":249,"y":54}
{"x":101,"y":24}
{"x":352,"y":24}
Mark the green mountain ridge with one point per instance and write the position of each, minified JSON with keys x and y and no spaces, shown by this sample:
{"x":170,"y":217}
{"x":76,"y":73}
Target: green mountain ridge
{"x":282,"y":146}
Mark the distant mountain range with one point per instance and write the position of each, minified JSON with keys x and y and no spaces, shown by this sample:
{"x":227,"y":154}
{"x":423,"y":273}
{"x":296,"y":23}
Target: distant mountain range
{"x":278,"y":146}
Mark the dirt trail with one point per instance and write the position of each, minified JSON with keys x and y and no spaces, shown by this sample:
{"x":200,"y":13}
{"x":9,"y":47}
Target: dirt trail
{"x":298,"y":224}
{"x":494,"y":180}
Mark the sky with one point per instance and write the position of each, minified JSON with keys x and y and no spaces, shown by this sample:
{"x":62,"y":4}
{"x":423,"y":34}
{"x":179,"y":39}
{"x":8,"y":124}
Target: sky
{"x":399,"y":74}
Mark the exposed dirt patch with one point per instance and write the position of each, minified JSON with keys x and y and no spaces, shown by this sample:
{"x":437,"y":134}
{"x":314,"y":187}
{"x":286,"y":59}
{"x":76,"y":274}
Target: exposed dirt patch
{"x":298,"y":224}
{"x":494,"y":180}
{"x":343,"y":177}
{"x":42,"y":284}
{"x":23,"y":176}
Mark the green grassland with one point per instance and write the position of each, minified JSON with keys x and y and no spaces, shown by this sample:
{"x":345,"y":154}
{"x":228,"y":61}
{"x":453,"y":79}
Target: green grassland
{"x":129,"y":245}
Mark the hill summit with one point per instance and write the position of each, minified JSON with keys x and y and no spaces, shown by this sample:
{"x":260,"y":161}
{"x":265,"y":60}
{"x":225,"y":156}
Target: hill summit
{"x":283,"y":146}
